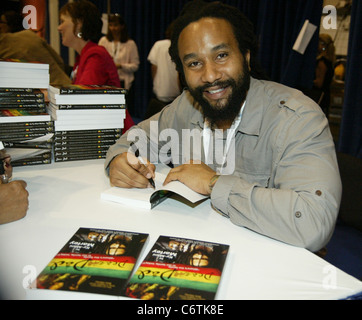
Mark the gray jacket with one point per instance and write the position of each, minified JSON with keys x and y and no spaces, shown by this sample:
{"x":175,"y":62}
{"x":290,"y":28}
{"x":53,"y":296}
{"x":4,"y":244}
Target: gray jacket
{"x":286,"y":182}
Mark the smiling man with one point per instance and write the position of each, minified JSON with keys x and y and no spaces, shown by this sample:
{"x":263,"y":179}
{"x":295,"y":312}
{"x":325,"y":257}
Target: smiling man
{"x":278,"y":175}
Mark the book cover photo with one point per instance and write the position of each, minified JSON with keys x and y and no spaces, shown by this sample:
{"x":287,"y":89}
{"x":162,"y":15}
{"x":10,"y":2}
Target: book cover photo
{"x":93,"y":261}
{"x":179,"y":269}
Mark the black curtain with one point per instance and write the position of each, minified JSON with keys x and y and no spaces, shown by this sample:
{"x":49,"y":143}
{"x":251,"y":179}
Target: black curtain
{"x":350,"y":139}
{"x":276,"y":22}
{"x":279,"y":23}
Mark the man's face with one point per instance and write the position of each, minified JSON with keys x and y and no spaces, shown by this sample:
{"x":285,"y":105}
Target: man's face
{"x":215,"y":70}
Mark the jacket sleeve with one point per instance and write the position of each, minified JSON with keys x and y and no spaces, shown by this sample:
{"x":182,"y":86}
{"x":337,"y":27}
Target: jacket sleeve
{"x":132,"y":65}
{"x":301,"y":205}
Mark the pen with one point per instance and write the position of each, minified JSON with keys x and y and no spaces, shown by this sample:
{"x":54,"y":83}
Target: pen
{"x":3,"y":176}
{"x":137,"y":154}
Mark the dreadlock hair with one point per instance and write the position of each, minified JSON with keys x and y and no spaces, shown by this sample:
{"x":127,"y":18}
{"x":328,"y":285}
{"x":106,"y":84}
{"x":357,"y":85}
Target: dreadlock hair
{"x":241,"y":25}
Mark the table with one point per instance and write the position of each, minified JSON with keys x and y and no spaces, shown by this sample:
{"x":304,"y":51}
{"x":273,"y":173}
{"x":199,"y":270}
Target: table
{"x":66,"y":196}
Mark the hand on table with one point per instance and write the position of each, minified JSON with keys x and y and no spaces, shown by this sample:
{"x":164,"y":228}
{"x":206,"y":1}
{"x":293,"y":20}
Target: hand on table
{"x":14,"y":201}
{"x":196,"y":175}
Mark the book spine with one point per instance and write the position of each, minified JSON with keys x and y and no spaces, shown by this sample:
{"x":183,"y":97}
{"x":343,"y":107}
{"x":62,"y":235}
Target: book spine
{"x":10,"y":145}
{"x":17,"y":90}
{"x":86,"y":147}
{"x":98,"y":136}
{"x":20,"y":136}
{"x":23,"y":139}
{"x":22,"y":95}
{"x":15,"y":129}
{"x":80,"y":152}
{"x":44,"y":124}
{"x":83,"y":144}
{"x":159,"y":197}
{"x":89,"y":107}
{"x":92,"y":91}
{"x":30,"y":162}
{"x":20,"y":100}
{"x":81,"y":132}
{"x":78,"y":158}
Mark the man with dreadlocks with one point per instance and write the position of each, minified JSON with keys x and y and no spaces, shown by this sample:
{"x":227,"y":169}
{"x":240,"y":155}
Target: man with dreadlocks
{"x":266,"y":156}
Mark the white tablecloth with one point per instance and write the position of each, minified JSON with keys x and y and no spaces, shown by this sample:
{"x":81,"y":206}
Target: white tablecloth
{"x":66,"y":196}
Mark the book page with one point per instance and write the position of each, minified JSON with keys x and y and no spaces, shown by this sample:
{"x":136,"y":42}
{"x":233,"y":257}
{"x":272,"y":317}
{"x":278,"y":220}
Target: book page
{"x":141,"y":197}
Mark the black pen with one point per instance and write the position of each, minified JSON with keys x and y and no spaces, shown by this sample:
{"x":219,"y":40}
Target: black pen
{"x":137,"y":154}
{"x":3,"y":176}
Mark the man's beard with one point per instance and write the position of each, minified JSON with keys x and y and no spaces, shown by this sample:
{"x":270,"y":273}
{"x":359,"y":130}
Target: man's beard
{"x":224,"y":111}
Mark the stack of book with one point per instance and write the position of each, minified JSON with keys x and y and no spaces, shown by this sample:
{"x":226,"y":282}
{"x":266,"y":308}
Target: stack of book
{"x":20,"y":74}
{"x":26,"y":129}
{"x":87,"y":120}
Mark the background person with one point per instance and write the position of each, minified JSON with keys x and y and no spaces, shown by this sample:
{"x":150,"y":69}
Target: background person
{"x":166,"y":84}
{"x":26,"y":45}
{"x":324,"y":70}
{"x":124,"y":52}
{"x":80,"y":28}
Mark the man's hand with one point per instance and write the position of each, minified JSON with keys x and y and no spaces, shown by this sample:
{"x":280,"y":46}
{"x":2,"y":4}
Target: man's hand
{"x":126,"y":171}
{"x":14,"y":201}
{"x":195,"y":175}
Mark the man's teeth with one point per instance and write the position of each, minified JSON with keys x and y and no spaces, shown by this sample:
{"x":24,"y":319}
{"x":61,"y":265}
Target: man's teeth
{"x":216,"y":91}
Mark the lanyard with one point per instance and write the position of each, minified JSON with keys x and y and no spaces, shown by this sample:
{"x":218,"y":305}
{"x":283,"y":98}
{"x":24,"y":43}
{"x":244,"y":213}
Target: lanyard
{"x":207,"y":135}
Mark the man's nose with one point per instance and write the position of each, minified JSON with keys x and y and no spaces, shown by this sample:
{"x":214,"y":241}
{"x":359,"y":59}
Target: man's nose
{"x":211,"y":72}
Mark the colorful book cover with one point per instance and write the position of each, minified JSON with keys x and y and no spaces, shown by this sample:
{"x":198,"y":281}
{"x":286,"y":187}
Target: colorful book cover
{"x":16,"y":115}
{"x":179,"y":269}
{"x":94,"y":261}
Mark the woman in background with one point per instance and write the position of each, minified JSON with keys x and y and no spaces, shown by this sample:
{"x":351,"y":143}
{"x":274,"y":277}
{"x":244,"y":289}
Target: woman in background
{"x":80,"y":28}
{"x":124,"y":52}
{"x":324,"y":70}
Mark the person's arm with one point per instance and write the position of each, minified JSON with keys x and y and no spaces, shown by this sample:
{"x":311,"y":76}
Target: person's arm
{"x":321,"y":71}
{"x":153,"y":71}
{"x":132,"y":65}
{"x":13,"y":201}
{"x":116,"y":161}
{"x":301,"y":206}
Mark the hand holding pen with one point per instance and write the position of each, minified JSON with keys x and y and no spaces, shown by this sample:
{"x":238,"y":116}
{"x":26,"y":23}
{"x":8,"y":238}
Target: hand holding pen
{"x":141,"y":160}
{"x":130,"y":171}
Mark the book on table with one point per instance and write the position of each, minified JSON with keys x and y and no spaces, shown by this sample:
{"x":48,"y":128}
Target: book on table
{"x":102,"y":262}
{"x":179,"y":269}
{"x":16,"y":73}
{"x":83,"y":95}
{"x":149,"y":198}
{"x":16,"y":115}
{"x":98,"y":261}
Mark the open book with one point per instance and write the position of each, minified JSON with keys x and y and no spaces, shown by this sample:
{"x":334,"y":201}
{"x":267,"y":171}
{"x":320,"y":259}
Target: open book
{"x":149,"y":198}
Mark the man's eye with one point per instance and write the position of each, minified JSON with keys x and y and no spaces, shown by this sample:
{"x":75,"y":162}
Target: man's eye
{"x":193,"y":64}
{"x":222,"y":55}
